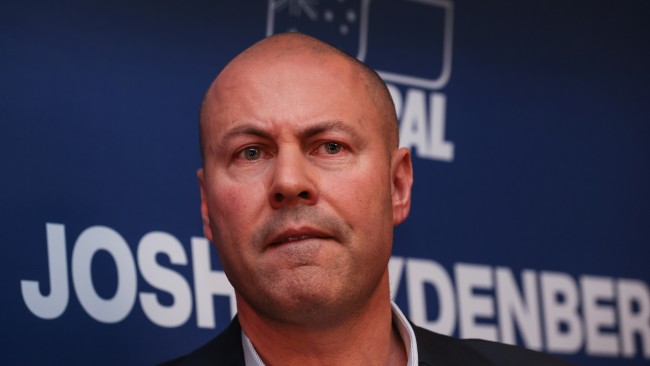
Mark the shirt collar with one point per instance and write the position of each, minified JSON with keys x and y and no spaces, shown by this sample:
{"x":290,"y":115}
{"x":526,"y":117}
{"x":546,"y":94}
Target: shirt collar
{"x":408,"y":336}
{"x":251,"y":358}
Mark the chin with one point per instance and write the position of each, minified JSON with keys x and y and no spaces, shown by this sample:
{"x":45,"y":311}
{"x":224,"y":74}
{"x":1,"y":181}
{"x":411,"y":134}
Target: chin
{"x":312,"y":312}
{"x":308,"y":303}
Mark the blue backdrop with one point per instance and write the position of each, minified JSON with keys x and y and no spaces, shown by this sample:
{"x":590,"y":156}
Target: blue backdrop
{"x":529,"y":124}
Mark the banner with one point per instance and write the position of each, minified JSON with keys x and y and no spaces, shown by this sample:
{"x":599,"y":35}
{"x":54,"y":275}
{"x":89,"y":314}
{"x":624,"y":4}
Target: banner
{"x":528,"y":123}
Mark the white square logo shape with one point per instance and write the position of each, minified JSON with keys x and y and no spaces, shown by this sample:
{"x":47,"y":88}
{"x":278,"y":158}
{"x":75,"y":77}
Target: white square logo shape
{"x":415,"y":35}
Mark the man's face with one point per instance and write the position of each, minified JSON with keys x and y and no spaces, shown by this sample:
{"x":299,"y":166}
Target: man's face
{"x":297,"y":186}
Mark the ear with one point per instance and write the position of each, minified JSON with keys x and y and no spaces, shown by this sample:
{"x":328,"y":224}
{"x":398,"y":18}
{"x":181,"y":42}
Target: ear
{"x":207,"y":230}
{"x":402,"y":176}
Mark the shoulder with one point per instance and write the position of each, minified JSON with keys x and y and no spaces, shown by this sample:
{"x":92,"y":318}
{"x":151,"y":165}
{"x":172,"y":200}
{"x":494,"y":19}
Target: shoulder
{"x":505,"y":354}
{"x":438,"y":349}
{"x":224,"y":349}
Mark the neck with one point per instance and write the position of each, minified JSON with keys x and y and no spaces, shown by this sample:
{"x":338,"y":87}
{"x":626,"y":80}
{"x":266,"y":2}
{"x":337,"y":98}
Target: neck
{"x":364,"y":336}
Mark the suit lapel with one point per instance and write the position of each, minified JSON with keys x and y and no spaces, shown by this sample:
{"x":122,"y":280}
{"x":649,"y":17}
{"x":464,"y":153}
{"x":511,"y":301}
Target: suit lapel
{"x":440,"y":350}
{"x":225,"y":349}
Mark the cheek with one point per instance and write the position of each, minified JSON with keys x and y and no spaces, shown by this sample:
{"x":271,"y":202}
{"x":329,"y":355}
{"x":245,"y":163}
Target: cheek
{"x":232,"y":215}
{"x":365,"y":200}
{"x":234,"y":209}
{"x":367,"y":208}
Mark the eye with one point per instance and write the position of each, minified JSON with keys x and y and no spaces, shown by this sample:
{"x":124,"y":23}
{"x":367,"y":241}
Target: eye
{"x":251,"y":153}
{"x":332,"y":147}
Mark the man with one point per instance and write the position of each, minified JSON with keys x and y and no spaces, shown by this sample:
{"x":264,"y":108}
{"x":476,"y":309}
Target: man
{"x":302,"y":184}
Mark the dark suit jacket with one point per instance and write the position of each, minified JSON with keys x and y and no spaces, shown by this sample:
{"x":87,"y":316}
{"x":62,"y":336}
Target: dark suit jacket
{"x":433,"y":350}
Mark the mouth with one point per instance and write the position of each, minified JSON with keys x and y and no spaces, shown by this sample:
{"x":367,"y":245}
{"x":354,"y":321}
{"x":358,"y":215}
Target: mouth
{"x":291,"y":236}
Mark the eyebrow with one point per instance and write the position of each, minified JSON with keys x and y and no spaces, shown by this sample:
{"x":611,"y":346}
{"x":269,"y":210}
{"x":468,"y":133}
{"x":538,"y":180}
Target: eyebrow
{"x":245,"y":129}
{"x":326,"y":126}
{"x":304,"y":132}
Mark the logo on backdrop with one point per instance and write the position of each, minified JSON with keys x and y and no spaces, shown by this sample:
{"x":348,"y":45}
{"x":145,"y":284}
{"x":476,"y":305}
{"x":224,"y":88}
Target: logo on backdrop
{"x":408,"y":42}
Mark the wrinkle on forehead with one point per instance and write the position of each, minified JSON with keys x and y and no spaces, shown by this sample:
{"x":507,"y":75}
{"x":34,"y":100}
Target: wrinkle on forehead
{"x":297,"y":47}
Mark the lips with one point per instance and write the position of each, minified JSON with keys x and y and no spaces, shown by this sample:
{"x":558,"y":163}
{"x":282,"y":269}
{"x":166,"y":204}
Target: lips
{"x":289,"y":236}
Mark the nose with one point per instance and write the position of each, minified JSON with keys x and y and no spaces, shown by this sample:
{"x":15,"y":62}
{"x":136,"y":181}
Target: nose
{"x":293,"y":180}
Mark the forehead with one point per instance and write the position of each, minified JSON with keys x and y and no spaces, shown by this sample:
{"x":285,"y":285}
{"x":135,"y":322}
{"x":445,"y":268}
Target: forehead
{"x":288,"y":90}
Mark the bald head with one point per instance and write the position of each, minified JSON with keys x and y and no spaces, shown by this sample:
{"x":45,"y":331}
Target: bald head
{"x":299,"y":47}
